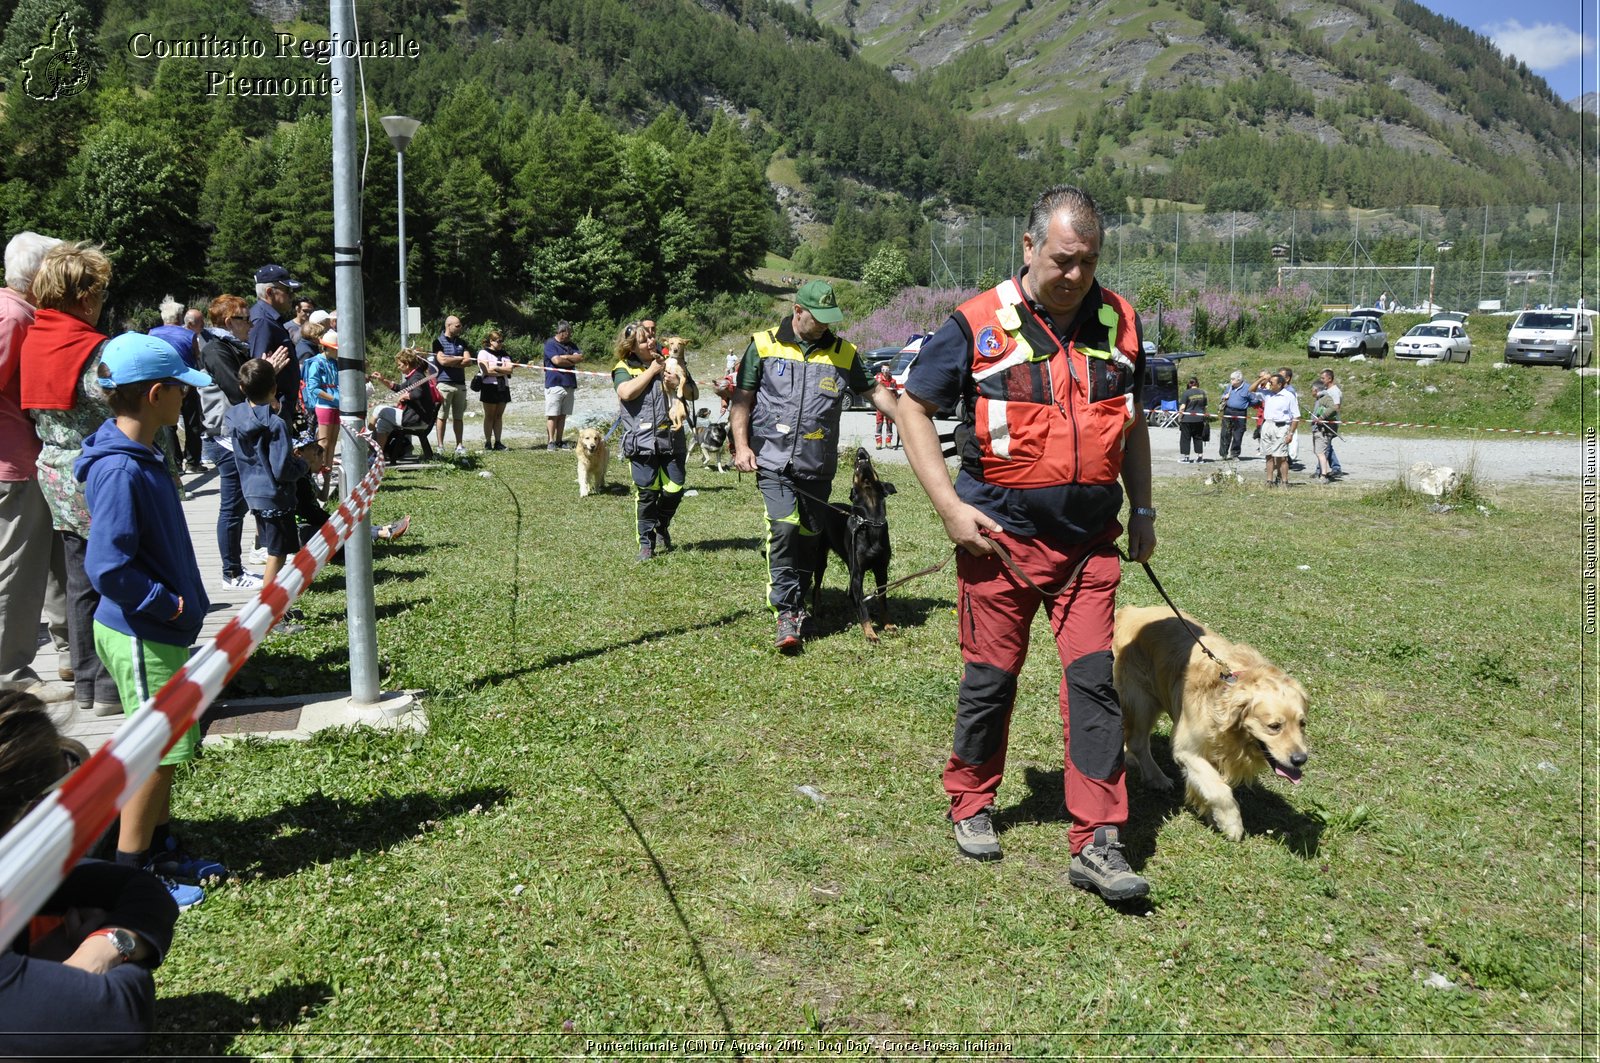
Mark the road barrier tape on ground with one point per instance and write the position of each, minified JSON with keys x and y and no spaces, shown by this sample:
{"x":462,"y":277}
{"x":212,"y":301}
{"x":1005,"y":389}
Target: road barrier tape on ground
{"x":1342,"y":423}
{"x":37,"y":854}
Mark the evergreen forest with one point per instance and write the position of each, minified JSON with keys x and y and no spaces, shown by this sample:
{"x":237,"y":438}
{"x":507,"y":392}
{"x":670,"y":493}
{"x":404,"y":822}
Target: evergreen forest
{"x":591,"y":158}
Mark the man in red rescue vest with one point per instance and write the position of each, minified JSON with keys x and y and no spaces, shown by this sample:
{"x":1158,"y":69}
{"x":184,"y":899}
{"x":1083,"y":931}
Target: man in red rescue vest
{"x":1050,"y":365}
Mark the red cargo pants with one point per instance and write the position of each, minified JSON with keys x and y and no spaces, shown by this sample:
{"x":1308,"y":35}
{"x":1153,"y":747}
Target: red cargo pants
{"x":995,"y":610}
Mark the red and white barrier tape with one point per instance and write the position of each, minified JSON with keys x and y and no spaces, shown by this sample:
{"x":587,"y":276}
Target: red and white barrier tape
{"x":1342,"y":423}
{"x":37,"y":853}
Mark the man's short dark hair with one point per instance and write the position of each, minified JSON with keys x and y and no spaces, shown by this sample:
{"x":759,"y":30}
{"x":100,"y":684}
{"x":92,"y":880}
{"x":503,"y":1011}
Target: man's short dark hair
{"x":258,"y":380}
{"x":1080,"y":207}
{"x":129,"y":399}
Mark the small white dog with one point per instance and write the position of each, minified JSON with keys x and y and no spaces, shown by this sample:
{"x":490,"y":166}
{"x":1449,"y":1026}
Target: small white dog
{"x":592,"y":458}
{"x":679,"y":410}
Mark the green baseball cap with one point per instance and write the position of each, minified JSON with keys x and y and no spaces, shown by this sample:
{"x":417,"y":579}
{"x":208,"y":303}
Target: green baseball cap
{"x":818,"y":297}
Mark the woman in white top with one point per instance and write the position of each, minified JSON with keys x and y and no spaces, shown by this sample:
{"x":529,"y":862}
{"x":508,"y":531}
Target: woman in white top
{"x":1280,"y":412}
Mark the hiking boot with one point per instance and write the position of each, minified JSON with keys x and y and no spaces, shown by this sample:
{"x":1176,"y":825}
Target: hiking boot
{"x":176,"y":863}
{"x":1100,"y":866}
{"x":976,"y":837}
{"x":646,"y":551}
{"x":788,"y":640}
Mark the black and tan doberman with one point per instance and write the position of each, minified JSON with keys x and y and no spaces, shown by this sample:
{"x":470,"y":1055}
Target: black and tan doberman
{"x":860,"y":535}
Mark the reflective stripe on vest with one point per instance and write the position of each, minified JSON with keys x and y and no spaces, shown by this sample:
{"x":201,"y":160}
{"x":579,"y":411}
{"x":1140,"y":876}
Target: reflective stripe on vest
{"x":1033,"y":420}
{"x":646,"y":421}
{"x":795,"y":422}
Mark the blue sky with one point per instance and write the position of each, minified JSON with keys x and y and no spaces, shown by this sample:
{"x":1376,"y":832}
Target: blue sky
{"x":1556,"y":38}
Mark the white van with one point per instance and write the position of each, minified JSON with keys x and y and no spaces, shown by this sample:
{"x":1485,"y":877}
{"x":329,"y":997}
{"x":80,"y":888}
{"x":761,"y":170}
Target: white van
{"x":1563,"y":337}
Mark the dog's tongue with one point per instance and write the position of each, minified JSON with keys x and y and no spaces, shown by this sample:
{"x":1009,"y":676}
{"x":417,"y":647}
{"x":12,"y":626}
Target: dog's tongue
{"x":1285,"y":772}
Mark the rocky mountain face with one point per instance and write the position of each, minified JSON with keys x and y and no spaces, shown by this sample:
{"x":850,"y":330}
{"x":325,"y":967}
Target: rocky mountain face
{"x":1419,"y":81}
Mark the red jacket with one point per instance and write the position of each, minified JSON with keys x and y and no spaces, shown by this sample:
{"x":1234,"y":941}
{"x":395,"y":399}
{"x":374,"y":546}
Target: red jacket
{"x":54,"y":354}
{"x":1044,"y":415}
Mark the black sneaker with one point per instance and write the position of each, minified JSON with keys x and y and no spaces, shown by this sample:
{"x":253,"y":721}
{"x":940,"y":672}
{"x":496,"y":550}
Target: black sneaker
{"x":788,"y":640}
{"x":1100,"y":866}
{"x":976,"y":837}
{"x":663,"y":540}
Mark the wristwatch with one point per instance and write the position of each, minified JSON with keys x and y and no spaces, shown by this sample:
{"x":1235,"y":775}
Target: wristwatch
{"x":1144,"y":511}
{"x":124,"y":941}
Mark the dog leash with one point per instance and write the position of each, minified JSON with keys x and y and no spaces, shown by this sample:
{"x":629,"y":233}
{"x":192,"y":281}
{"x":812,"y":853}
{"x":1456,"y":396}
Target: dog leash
{"x":1228,"y":674}
{"x":852,"y":519}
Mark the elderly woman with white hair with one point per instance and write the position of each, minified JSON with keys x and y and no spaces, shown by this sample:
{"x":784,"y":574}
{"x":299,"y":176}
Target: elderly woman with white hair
{"x":32,"y":561}
{"x":1236,"y":403}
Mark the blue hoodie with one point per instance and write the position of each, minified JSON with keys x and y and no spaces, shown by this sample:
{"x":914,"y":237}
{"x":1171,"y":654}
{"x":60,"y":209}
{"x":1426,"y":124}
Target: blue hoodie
{"x":140,"y":557}
{"x":265,"y":457}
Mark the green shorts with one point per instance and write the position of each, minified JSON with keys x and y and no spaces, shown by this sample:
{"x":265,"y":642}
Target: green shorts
{"x":139,"y":667}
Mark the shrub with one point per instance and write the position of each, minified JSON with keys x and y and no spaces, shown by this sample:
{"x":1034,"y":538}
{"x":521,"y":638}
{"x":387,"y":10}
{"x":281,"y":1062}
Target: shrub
{"x":913,"y":310}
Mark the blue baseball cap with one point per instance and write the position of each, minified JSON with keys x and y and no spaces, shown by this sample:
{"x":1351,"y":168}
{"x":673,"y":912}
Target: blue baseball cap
{"x":133,"y":358}
{"x":276,"y":274}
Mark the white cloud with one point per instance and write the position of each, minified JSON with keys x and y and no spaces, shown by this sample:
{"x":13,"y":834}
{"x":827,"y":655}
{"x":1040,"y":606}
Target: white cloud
{"x":1546,"y":46}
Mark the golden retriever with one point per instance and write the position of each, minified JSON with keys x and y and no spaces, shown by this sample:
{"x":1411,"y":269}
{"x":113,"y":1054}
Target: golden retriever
{"x":1223,"y":733}
{"x":592,"y":458}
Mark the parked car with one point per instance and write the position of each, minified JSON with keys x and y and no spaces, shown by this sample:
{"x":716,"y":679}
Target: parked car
{"x":1358,"y":332}
{"x":1444,"y":338}
{"x":876,"y":358}
{"x":1562,"y":337}
{"x":902,"y":362}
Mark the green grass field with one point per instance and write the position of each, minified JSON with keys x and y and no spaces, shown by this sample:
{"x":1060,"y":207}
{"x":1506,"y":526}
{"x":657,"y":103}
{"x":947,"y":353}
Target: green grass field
{"x":600,"y":836}
{"x":1473,"y":394}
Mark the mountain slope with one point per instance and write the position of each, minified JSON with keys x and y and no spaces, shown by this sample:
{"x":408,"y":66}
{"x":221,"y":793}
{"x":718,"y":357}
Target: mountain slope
{"x":1369,"y":73}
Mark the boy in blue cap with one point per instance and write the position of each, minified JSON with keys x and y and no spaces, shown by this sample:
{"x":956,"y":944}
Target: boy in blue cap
{"x":141,"y":559}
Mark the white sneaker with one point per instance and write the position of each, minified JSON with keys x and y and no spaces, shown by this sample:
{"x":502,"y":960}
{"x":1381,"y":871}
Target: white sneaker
{"x":461,"y":451}
{"x":245,"y":581}
{"x":258,"y":556}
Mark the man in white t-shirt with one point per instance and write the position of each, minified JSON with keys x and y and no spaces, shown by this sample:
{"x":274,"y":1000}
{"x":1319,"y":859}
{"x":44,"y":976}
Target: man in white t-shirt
{"x":1280,"y":415}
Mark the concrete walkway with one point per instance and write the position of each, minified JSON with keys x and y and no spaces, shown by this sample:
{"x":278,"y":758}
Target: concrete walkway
{"x":295,"y":717}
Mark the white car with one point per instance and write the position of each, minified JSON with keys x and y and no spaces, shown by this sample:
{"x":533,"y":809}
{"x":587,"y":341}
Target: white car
{"x":1442,"y":339}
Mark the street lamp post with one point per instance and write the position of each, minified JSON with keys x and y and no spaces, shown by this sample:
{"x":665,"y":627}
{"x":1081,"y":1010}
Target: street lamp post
{"x":401,"y":129}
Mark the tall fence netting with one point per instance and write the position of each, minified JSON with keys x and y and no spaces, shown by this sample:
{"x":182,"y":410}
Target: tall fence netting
{"x":1469,"y":258}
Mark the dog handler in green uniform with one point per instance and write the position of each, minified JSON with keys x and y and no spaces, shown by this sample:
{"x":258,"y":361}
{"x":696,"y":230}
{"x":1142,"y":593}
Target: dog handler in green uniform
{"x":788,"y":394}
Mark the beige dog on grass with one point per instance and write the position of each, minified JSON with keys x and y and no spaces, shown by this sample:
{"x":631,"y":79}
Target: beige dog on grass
{"x":592,"y":458}
{"x":1223,"y":733}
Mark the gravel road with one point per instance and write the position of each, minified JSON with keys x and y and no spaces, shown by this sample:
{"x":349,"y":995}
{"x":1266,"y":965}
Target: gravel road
{"x":1366,"y":458}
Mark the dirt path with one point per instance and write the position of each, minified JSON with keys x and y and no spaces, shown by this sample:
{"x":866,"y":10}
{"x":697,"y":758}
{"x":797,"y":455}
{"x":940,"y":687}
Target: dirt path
{"x":1365,"y":458}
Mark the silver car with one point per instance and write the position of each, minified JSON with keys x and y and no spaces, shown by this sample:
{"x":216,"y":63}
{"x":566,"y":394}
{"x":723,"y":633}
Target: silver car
{"x":1446,"y":341}
{"x":1344,"y":337}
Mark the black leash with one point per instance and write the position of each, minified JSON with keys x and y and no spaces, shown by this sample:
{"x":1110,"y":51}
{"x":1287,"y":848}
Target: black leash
{"x":850,"y":514}
{"x":1228,"y":674}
